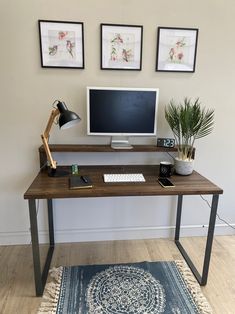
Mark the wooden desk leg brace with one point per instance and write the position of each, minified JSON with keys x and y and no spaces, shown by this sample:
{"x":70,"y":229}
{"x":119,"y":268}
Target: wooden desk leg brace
{"x":201,"y":279}
{"x":40,"y":277}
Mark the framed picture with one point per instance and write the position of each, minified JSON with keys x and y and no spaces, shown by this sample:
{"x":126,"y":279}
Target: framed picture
{"x":61,"y":44}
{"x":121,"y":47}
{"x":176,"y":49}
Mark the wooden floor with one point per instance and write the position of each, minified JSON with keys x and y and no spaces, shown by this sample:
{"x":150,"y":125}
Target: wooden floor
{"x":17,"y":294}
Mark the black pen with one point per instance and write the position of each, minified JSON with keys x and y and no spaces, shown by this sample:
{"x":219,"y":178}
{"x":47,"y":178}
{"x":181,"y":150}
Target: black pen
{"x":84,"y":179}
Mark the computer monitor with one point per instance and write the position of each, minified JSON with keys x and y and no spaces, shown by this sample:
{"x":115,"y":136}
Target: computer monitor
{"x":122,"y":112}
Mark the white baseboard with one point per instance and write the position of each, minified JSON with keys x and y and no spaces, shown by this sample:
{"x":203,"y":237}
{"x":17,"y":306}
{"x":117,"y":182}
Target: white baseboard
{"x":105,"y":234}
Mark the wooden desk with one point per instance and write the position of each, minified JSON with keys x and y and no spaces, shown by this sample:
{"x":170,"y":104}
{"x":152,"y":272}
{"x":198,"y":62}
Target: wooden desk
{"x":45,"y":187}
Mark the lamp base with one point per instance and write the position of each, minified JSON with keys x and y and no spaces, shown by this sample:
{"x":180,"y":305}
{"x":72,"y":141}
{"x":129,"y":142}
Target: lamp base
{"x":57,"y":172}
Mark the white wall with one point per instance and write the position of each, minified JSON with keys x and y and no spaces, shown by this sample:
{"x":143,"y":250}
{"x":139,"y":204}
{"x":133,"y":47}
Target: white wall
{"x":27,"y":92}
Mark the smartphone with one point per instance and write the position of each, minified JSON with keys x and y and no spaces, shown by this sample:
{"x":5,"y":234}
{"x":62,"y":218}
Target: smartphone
{"x":166,"y":183}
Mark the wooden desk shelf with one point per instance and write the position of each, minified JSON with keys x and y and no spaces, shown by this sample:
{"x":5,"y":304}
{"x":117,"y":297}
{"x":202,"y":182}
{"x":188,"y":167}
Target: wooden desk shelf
{"x":74,"y":148}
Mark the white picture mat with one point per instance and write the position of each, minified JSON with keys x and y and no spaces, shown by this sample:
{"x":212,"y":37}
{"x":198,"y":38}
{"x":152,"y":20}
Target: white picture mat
{"x":167,"y":41}
{"x":131,"y":41}
{"x":62,"y":58}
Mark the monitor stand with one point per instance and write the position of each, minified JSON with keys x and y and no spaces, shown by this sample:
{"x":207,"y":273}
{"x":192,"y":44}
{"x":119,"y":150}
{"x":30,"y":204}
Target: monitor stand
{"x":120,"y":143}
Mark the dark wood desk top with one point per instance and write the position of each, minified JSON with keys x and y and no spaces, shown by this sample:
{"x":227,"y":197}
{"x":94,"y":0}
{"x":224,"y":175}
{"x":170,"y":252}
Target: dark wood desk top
{"x":45,"y":187}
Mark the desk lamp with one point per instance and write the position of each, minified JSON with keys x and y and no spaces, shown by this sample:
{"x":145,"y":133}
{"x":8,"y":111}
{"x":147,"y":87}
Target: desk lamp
{"x":66,"y":119}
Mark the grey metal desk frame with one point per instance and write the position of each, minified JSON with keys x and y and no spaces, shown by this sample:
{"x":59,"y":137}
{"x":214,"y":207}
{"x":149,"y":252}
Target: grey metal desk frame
{"x":41,"y":276}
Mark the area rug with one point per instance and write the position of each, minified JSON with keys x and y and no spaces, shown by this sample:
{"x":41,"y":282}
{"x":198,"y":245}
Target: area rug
{"x":139,"y":288}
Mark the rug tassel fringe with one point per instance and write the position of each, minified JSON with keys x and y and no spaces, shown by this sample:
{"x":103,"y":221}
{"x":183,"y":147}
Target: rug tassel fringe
{"x":194,"y":288}
{"x":52,"y":292}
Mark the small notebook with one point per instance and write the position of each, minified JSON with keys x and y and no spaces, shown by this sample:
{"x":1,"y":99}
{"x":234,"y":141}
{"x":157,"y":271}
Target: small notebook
{"x":79,"y":182}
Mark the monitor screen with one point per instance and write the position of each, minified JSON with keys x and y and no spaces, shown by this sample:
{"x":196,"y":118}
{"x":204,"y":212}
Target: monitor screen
{"x":122,"y":111}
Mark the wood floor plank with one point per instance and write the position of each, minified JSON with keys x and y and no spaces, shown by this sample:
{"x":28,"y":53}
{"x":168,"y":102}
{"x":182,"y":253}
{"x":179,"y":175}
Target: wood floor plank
{"x":17,"y":294}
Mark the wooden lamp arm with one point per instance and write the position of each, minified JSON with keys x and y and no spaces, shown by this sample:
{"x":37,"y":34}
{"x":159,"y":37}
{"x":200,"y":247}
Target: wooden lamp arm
{"x":45,"y":137}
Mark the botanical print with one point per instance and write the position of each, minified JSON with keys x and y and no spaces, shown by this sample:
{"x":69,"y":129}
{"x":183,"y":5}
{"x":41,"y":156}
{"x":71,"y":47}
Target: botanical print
{"x":61,"y":45}
{"x":176,"y":53}
{"x":176,"y":49}
{"x":121,"y":47}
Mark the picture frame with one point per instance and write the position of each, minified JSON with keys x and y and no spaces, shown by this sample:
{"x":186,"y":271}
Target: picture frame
{"x":176,"y":49}
{"x":121,"y":47}
{"x":61,"y":44}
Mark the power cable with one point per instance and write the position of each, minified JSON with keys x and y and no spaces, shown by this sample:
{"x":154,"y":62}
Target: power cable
{"x":218,"y":216}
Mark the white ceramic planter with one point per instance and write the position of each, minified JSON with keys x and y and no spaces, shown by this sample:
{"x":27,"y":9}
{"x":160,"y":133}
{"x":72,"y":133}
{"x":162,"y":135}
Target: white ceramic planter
{"x":184,"y":167}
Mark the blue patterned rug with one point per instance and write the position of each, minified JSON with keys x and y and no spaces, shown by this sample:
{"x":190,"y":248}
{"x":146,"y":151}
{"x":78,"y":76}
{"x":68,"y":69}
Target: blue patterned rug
{"x":139,"y":288}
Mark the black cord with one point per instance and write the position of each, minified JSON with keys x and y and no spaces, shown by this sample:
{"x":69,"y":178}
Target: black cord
{"x":45,"y":164}
{"x":218,"y":216}
{"x":170,"y":155}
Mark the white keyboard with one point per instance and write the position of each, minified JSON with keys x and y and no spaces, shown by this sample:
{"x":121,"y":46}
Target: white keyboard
{"x":124,"y":177}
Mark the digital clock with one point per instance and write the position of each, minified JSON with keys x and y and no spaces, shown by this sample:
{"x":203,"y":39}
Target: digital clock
{"x":165,"y":142}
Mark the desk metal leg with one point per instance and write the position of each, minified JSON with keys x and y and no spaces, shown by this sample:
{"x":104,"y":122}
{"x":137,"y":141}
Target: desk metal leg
{"x":201,"y":279}
{"x":40,"y":277}
{"x":50,"y":222}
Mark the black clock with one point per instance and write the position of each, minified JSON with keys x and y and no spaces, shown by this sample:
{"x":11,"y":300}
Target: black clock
{"x":165,"y":142}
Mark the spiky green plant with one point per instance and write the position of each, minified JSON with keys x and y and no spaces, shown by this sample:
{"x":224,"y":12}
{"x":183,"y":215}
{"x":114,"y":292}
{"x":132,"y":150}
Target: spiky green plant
{"x":188,"y":122}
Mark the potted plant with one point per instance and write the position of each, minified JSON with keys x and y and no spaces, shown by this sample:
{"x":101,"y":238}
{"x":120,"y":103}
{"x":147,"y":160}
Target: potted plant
{"x":188,"y":121}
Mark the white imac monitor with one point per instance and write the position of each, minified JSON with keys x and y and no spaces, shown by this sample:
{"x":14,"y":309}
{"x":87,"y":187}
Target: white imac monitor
{"x":122,"y":112}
